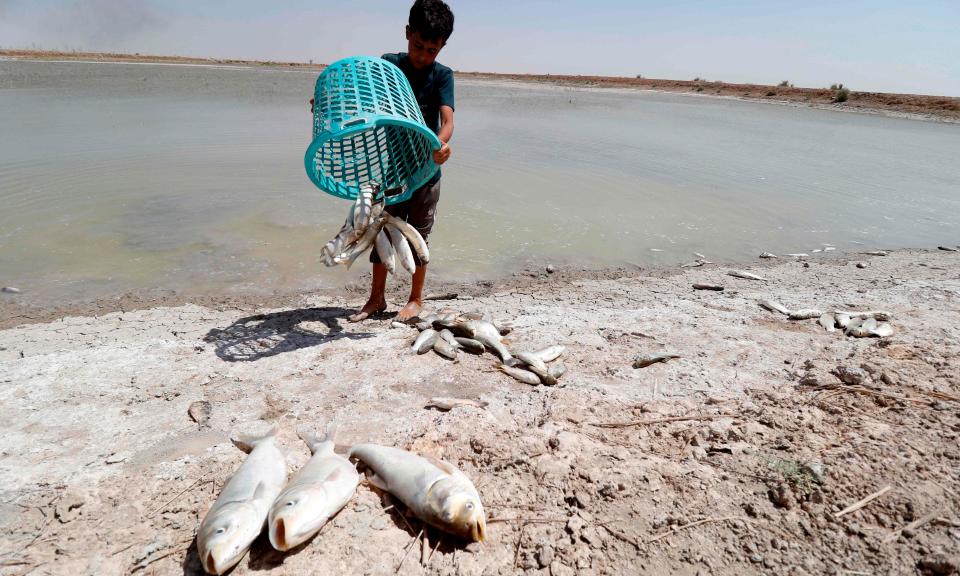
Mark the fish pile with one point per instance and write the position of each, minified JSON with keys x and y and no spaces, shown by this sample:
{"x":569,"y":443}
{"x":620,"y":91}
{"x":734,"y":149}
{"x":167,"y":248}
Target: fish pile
{"x":368,"y":226}
{"x":857,"y":324}
{"x":448,"y":332}
{"x":258,"y":494}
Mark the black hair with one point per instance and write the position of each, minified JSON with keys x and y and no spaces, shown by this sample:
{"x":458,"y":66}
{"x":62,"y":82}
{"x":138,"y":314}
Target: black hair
{"x":432,"y":19}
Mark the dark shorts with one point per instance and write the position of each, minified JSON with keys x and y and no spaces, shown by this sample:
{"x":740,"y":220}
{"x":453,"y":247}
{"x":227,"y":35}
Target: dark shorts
{"x":419,"y":211}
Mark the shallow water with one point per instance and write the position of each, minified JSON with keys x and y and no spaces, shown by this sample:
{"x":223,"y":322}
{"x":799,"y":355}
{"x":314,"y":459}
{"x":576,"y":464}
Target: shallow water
{"x":116,"y":177}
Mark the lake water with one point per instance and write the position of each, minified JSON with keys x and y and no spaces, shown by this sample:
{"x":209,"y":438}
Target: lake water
{"x":116,"y":177}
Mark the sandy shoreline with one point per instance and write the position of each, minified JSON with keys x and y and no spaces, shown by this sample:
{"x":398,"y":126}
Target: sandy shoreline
{"x":741,"y":458}
{"x":912,"y":106}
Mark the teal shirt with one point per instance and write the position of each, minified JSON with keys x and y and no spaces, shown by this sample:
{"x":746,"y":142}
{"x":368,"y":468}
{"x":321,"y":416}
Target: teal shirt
{"x":432,"y":88}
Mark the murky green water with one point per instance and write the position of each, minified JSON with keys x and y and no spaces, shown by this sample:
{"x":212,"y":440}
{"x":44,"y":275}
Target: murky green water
{"x":117,"y":176}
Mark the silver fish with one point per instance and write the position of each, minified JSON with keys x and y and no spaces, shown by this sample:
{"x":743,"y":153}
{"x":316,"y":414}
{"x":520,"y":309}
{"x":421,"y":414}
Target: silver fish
{"x":470,"y":345}
{"x":557,"y":370}
{"x":805,"y":314}
{"x":385,"y":251}
{"x":538,"y":367}
{"x":424,"y":342}
{"x":417,"y":242}
{"x":702,"y":286}
{"x":10,"y":290}
{"x":828,"y":322}
{"x":488,"y":335}
{"x":861,"y":327}
{"x":401,"y":248}
{"x":237,"y":517}
{"x":767,"y":255}
{"x":445,"y":404}
{"x":880,"y":315}
{"x":443,"y":348}
{"x":876,"y":253}
{"x":647,"y":360}
{"x":883,"y":330}
{"x":360,"y":246}
{"x":745,"y":275}
{"x":843,"y":320}
{"x":774,"y":306}
{"x":525,"y":376}
{"x":448,"y":337}
{"x":550,"y":353}
{"x":434,"y":490}
{"x":318,"y":491}
{"x":423,"y":325}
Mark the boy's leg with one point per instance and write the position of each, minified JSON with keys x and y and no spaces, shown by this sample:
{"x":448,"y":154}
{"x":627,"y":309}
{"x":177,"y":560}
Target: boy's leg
{"x":377,"y":302}
{"x":423,"y":208}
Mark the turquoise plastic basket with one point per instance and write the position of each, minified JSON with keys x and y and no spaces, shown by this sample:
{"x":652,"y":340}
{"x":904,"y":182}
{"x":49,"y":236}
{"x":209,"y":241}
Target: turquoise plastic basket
{"x":367,"y":128}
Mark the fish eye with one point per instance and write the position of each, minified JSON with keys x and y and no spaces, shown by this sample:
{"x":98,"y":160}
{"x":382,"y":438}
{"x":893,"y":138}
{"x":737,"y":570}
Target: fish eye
{"x":221,"y":530}
{"x":291,"y":503}
{"x":469,"y":505}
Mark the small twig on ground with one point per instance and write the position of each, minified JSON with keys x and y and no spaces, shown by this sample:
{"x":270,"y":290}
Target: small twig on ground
{"x":869,"y":392}
{"x":660,"y":420}
{"x":407,"y":553}
{"x":516,"y":555}
{"x":864,"y":502}
{"x":127,"y":547}
{"x":911,"y":526}
{"x":447,"y":296}
{"x":620,"y":536}
{"x":433,"y":552}
{"x":675,"y":529}
{"x":528,"y":520}
{"x":179,"y":494}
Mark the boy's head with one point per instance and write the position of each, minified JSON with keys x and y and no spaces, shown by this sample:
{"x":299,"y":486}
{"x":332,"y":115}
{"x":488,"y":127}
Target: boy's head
{"x":429,"y":27}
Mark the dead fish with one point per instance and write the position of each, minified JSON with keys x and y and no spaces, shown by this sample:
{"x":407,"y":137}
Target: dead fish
{"x":488,"y":335}
{"x":550,"y":353}
{"x":699,"y":255}
{"x":385,"y":251}
{"x":416,"y":241}
{"x":421,"y":326}
{"x":401,"y":249}
{"x":946,"y":249}
{"x":443,"y":348}
{"x":557,"y":370}
{"x":424,"y":342}
{"x":798,"y":255}
{"x":861,"y":327}
{"x":470,"y":345}
{"x":537,"y":366}
{"x":525,"y":376}
{"x":314,"y":495}
{"x":714,"y":287}
{"x":816,"y":250}
{"x":447,"y":336}
{"x":695,"y":264}
{"x":828,"y":322}
{"x":774,"y":306}
{"x":237,"y":517}
{"x":396,"y":324}
{"x":829,"y":249}
{"x":10,"y":290}
{"x":434,"y":490}
{"x":767,"y":255}
{"x":445,"y":404}
{"x":745,"y":275}
{"x":200,"y":411}
{"x":883,"y":330}
{"x":881,"y":315}
{"x":876,"y":253}
{"x":644,"y":361}
{"x":805,"y":314}
{"x":843,"y":320}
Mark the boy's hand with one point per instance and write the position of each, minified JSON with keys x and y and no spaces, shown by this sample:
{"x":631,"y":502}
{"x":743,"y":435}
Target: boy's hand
{"x":442,"y":155}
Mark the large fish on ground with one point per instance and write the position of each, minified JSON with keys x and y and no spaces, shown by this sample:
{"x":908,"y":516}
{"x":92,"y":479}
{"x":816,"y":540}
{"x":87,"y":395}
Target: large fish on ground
{"x":237,"y":517}
{"x":434,"y":490}
{"x":318,"y":491}
{"x":488,"y":335}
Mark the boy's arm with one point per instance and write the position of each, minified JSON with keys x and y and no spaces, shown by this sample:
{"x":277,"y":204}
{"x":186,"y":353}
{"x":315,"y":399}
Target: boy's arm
{"x":446,"y":132}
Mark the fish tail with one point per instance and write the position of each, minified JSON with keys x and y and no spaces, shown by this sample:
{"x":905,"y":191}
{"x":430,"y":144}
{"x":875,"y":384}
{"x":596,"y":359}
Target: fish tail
{"x":247,"y":442}
{"x":317,"y":442}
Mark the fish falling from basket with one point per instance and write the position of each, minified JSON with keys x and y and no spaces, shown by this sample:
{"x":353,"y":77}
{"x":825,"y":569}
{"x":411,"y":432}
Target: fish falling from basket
{"x":368,"y":226}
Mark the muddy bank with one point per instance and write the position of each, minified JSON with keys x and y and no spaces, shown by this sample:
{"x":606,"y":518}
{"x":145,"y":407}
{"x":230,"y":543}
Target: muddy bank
{"x":769,"y":446}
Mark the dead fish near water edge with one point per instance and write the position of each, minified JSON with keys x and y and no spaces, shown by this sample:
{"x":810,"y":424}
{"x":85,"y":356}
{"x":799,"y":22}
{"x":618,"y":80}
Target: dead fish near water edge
{"x":745,"y":275}
{"x":445,"y":404}
{"x":648,"y":360}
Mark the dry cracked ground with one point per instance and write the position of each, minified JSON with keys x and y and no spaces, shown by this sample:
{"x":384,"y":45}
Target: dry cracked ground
{"x":769,"y":446}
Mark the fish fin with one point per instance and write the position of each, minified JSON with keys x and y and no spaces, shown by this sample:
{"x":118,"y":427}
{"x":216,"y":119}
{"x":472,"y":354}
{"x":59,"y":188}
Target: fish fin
{"x":260,"y":492}
{"x":247,"y":442}
{"x":377,"y":481}
{"x":441,"y":464}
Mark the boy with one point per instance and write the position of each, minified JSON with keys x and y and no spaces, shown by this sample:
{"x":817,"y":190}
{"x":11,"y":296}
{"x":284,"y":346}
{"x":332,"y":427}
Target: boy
{"x":429,"y":27}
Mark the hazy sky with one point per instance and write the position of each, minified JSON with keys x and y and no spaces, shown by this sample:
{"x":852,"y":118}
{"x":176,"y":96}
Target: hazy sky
{"x":887,"y":45}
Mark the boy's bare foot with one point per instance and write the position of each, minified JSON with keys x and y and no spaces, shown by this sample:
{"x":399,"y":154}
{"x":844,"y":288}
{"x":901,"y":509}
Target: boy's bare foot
{"x":369,"y":309}
{"x":411,"y":310}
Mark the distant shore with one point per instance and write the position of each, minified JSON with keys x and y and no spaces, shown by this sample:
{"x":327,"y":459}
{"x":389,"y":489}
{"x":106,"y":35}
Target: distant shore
{"x":944,"y":108}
